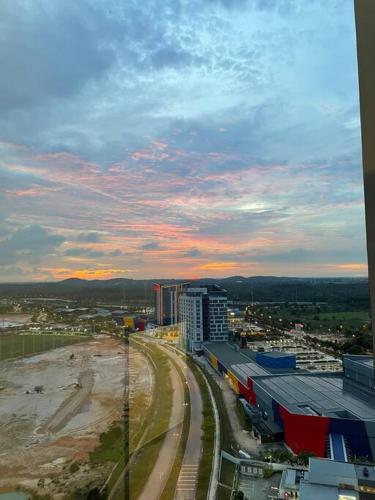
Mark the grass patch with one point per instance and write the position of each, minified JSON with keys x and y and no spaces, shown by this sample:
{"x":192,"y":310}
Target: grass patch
{"x":111,"y":447}
{"x":208,"y":437}
{"x":18,"y":345}
{"x":227,"y":441}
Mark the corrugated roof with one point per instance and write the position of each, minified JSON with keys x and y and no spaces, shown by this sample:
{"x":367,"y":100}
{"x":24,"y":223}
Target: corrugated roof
{"x":324,"y":393}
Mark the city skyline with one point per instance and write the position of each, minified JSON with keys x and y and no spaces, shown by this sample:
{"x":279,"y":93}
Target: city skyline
{"x":225,"y":142}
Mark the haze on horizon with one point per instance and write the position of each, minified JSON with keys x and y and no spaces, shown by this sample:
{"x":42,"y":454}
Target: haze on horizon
{"x":179,"y":139}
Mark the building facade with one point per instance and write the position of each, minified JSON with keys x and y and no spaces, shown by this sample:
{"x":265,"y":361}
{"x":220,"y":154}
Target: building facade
{"x":166,"y":302}
{"x":203,"y":316}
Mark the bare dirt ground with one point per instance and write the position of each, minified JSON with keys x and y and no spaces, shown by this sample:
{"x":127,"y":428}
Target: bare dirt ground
{"x":14,"y":319}
{"x":42,"y":434}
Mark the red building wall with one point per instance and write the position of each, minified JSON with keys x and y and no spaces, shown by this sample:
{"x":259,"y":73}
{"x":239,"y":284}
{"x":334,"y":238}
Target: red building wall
{"x":252,"y":396}
{"x":305,"y":432}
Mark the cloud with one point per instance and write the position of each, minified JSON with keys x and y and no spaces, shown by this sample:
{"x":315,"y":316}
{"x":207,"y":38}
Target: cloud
{"x":193,"y":252}
{"x":31,"y":244}
{"x":153,"y":245}
{"x":90,"y":237}
{"x":289,"y":256}
{"x":83,"y":252}
{"x":57,"y":50}
{"x":116,"y":253}
{"x":157,"y":137}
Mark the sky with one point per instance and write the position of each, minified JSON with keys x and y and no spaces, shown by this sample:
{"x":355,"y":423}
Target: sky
{"x":179,"y":139}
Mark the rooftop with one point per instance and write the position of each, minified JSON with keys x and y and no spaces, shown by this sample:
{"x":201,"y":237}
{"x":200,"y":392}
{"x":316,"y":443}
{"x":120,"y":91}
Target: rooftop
{"x":319,"y":394}
{"x":326,"y":394}
{"x":309,"y":491}
{"x":243,"y":361}
{"x":276,"y":354}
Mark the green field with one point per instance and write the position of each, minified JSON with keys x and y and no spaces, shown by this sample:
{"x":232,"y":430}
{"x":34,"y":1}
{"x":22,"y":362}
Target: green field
{"x":17,"y":345}
{"x":317,"y":318}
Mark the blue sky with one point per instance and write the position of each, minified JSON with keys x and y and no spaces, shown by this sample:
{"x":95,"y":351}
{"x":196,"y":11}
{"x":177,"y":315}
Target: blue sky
{"x":179,"y":139}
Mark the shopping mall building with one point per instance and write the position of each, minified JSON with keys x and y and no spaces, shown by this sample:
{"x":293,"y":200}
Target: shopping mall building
{"x":328,"y":414}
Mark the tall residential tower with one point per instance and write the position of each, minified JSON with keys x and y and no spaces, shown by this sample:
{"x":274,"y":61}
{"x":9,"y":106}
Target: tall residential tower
{"x":166,"y":302}
{"x":203,"y":316}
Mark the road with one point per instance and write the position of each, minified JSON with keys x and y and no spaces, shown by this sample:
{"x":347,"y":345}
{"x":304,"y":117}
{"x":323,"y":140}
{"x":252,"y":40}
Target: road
{"x":187,"y":480}
{"x":156,"y":482}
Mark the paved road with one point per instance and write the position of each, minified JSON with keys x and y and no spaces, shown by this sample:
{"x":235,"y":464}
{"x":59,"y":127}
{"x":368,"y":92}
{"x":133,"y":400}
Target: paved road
{"x":187,"y":480}
{"x":156,"y":482}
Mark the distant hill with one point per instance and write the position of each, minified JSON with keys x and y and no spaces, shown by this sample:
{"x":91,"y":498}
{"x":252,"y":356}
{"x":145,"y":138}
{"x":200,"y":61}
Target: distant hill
{"x":351,"y":291}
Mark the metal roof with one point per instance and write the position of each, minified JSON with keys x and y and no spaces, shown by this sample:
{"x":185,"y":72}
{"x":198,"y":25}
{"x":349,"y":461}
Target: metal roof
{"x":323,"y":393}
{"x":230,"y":355}
{"x":277,"y":354}
{"x":245,"y":370}
{"x":309,"y":491}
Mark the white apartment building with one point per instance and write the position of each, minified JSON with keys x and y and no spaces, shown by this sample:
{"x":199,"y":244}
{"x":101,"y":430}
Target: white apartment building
{"x":203,"y":316}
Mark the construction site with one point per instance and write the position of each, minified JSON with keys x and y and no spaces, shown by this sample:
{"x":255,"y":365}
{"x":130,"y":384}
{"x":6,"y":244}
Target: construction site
{"x":53,"y":408}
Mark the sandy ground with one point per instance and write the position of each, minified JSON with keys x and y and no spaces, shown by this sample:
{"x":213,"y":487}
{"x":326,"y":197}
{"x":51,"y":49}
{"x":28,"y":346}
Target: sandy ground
{"x":41,"y":434}
{"x":14,"y":319}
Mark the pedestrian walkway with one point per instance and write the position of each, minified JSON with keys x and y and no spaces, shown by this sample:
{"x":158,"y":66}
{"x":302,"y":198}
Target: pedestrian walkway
{"x":187,"y":482}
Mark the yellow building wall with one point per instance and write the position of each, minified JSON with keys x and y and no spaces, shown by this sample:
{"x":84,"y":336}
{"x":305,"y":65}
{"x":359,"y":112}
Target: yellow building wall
{"x":129,"y":323}
{"x":213,"y":361}
{"x":233,"y":381}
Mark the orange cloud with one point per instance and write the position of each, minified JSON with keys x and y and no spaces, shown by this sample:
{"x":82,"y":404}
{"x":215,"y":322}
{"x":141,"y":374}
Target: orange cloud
{"x":352,"y":267}
{"x":218,"y":266}
{"x":32,"y":191}
{"x":63,"y":273}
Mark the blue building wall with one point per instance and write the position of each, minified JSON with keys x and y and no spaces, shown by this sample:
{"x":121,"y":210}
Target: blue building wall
{"x":273,"y":360}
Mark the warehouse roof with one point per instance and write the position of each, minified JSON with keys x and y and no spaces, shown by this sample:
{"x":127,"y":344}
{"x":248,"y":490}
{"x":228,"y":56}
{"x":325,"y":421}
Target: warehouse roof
{"x":277,"y":354}
{"x":319,"y":394}
{"x":244,"y":370}
{"x":231,"y":356}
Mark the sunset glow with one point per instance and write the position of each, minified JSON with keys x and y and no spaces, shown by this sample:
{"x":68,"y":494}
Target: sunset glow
{"x":182,"y":157}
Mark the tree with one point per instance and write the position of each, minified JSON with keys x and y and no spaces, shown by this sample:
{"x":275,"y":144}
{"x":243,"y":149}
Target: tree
{"x":239,"y":495}
{"x":303,"y":457}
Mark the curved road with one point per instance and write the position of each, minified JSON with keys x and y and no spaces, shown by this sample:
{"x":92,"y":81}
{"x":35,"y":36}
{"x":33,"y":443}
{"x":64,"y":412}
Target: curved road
{"x":187,"y":480}
{"x":158,"y":478}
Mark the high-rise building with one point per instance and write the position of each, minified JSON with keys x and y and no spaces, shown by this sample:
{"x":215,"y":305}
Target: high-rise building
{"x":166,"y":302}
{"x":203,"y":316}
